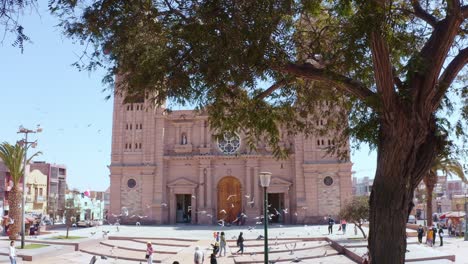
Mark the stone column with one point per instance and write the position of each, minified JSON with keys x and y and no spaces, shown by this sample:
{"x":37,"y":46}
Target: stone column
{"x":209,"y":187}
{"x":202,"y":133}
{"x":172,"y":207}
{"x":256,"y":187}
{"x":194,"y":208}
{"x":248,"y":184}
{"x":201,"y":188}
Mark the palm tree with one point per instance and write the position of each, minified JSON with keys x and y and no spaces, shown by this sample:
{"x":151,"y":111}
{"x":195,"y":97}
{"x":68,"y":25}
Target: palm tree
{"x":12,"y":156}
{"x":448,"y":167}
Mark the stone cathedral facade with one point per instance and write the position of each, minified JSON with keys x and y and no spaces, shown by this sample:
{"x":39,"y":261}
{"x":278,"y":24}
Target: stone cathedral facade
{"x":168,"y":167}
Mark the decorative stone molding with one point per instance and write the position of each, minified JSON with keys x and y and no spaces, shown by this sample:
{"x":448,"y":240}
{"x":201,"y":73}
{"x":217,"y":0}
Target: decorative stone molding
{"x":187,"y":148}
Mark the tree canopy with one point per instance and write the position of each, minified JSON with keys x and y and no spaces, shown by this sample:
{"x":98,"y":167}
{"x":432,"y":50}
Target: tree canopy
{"x":221,"y":54}
{"x":356,"y":211}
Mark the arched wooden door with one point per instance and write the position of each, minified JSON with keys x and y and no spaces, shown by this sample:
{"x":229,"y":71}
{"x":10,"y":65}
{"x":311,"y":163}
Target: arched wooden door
{"x":229,"y":199}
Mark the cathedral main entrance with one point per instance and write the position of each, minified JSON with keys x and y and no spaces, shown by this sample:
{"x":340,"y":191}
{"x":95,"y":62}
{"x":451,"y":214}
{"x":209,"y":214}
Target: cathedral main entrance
{"x":229,"y":199}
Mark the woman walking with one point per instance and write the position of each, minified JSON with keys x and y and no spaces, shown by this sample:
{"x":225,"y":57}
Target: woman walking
{"x":149,"y":253}
{"x":222,"y":244}
{"x":240,"y":243}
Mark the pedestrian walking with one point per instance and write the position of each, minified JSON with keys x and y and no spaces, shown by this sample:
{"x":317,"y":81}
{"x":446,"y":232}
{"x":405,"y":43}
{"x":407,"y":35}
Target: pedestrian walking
{"x":430,"y":236}
{"x":434,"y":232}
{"x":240,"y":243}
{"x":331,"y":222}
{"x":215,"y":248}
{"x":12,"y":253}
{"x":343,"y":225}
{"x":213,"y":259}
{"x":149,"y":253}
{"x":222,"y":245}
{"x":441,"y":235}
{"x":198,"y":256}
{"x":420,"y":233}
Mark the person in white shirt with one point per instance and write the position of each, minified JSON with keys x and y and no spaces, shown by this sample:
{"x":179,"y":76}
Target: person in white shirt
{"x":198,"y":257}
{"x":12,"y":252}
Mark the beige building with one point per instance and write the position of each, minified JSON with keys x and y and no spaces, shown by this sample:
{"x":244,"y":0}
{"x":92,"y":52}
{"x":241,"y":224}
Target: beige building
{"x":168,"y":166}
{"x":36,"y":195}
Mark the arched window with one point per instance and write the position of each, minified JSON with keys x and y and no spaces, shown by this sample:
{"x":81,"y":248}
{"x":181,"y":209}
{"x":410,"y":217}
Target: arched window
{"x":318,"y":142}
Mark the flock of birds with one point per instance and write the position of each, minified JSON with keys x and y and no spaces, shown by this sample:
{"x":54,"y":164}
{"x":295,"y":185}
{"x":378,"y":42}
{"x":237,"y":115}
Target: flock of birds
{"x":291,"y":247}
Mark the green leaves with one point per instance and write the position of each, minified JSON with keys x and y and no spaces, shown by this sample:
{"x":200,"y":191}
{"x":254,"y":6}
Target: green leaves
{"x":219,"y":55}
{"x":12,"y":156}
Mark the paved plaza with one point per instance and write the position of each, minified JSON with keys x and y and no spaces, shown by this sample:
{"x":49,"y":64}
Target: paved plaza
{"x":309,"y":244}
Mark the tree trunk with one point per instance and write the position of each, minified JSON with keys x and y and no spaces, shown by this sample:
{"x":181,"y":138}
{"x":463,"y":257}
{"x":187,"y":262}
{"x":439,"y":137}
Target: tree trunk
{"x":68,"y":228}
{"x":360,"y":228}
{"x":14,"y":202}
{"x":430,"y":181}
{"x":406,"y":150}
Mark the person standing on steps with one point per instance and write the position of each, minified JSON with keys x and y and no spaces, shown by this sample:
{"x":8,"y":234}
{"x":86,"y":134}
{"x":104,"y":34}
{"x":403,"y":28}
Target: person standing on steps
{"x":240,"y":243}
{"x":149,"y":253}
{"x":331,"y":222}
{"x":222,"y":244}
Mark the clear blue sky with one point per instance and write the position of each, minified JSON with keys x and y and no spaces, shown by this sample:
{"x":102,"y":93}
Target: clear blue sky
{"x":41,"y":87}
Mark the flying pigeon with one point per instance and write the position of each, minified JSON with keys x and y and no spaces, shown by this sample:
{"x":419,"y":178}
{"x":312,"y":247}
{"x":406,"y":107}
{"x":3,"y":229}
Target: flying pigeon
{"x":230,"y":196}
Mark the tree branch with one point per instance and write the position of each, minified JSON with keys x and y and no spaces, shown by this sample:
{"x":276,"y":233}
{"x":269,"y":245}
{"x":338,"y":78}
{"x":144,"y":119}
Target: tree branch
{"x":271,"y":89}
{"x":423,"y":14}
{"x":450,"y":73}
{"x":347,"y":85}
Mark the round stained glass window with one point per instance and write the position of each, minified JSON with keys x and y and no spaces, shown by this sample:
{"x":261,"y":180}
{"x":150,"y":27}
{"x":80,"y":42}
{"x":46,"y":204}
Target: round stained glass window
{"x":229,"y":143}
{"x":328,"y":181}
{"x":131,"y":183}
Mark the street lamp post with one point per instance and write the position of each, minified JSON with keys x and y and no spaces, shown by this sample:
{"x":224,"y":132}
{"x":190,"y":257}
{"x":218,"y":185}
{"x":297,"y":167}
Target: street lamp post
{"x":265,"y":178}
{"x":25,"y":143}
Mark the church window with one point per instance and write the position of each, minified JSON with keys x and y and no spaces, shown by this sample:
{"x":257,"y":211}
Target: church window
{"x":321,"y":122}
{"x":131,"y":183}
{"x":229,"y":143}
{"x":130,"y":126}
{"x":322,"y":142}
{"x":329,"y":142}
{"x":328,"y":181}
{"x":318,"y":142}
{"x":139,"y":145}
{"x":128,"y":107}
{"x":141,"y":126}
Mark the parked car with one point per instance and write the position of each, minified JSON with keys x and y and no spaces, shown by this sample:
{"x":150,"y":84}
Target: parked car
{"x":412,"y":219}
{"x":83,"y":223}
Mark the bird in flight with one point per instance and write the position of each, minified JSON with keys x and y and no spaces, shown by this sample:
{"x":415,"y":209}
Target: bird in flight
{"x":164,"y":204}
{"x":223,"y":211}
{"x":230,"y":196}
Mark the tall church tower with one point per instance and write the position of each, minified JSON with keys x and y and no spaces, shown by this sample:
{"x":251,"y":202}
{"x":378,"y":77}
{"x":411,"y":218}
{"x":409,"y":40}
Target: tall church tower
{"x":136,"y":183}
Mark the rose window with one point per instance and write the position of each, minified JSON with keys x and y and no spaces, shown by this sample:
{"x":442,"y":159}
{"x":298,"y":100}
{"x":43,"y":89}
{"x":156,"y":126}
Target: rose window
{"x":229,"y":143}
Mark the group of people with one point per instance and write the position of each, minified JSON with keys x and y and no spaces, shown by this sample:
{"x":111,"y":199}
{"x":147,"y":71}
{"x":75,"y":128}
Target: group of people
{"x":431,"y":235}
{"x":331,"y":222}
{"x":219,"y":247}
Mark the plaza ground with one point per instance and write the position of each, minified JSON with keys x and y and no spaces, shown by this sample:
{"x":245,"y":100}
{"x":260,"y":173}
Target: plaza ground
{"x":311,"y":244}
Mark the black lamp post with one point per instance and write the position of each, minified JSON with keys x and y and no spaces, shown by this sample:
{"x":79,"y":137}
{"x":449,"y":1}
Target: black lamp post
{"x":265,"y":178}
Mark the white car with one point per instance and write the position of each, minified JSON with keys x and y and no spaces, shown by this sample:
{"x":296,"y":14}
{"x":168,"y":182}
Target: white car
{"x":412,"y":219}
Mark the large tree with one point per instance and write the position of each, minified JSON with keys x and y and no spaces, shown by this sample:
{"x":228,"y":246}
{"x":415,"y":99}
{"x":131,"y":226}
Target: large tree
{"x":13,"y":157}
{"x":389,"y":65}
{"x":448,"y":166}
